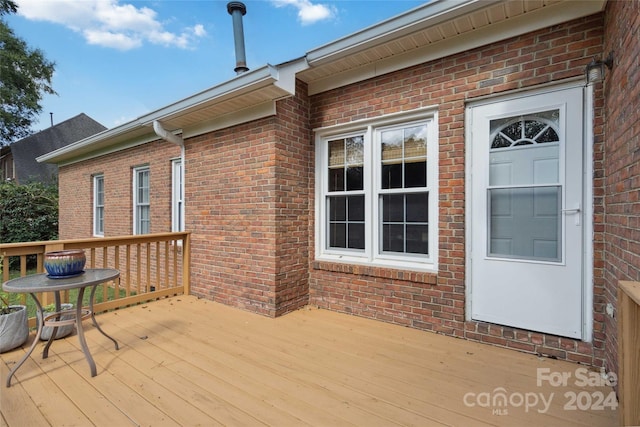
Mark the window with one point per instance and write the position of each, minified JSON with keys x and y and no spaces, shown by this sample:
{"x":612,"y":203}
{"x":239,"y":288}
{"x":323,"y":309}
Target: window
{"x":142,"y":209}
{"x":98,"y":205}
{"x":376,"y":193}
{"x":176,"y":196}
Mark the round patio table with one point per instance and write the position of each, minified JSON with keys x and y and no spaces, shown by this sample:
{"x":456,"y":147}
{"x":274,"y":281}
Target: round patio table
{"x":43,"y":283}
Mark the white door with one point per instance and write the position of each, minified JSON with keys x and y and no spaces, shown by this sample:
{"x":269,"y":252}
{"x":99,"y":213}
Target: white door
{"x":526,"y":226}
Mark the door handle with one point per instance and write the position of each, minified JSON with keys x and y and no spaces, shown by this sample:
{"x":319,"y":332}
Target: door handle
{"x":573,"y":211}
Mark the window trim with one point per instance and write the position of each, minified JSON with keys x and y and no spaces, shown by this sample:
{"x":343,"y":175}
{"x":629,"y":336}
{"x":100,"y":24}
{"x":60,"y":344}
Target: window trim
{"x":371,"y":129}
{"x":136,"y":204}
{"x":96,"y":178}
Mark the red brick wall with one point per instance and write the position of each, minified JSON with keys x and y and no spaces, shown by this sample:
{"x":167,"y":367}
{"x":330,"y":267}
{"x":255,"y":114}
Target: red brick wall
{"x":247,"y":204}
{"x":294,"y":198}
{"x":230,"y":210}
{"x":436,"y":302}
{"x":76,"y":195}
{"x":621,"y":158}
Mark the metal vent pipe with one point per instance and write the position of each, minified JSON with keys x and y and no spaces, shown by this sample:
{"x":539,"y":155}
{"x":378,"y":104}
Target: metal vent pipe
{"x":237,"y":10}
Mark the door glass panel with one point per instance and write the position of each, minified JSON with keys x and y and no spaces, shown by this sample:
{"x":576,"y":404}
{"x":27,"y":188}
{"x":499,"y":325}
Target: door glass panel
{"x":525,"y":192}
{"x":524,"y":223}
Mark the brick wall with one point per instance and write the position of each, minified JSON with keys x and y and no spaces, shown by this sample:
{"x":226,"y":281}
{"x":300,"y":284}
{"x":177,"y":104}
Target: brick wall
{"x":230,"y":206}
{"x":76,"y":201}
{"x":621,"y":158}
{"x":247,"y":204}
{"x":294,"y":198}
{"x":436,"y":302}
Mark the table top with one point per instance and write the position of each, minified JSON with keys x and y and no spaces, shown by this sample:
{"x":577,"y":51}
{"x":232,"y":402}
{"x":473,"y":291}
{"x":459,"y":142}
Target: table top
{"x":43,"y":283}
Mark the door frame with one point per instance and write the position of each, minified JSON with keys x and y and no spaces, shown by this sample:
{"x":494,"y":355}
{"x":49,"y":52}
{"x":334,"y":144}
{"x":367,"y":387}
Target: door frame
{"x":587,"y":203}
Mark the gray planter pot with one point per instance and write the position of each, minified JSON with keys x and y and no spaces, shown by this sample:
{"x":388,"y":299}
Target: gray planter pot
{"x":63,"y":331}
{"x":14,"y":328}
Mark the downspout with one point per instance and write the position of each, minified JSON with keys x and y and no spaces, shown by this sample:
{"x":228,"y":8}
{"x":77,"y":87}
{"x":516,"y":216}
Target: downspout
{"x":174,"y":139}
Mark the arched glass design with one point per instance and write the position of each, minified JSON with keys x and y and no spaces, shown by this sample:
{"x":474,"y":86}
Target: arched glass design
{"x":525,"y":130}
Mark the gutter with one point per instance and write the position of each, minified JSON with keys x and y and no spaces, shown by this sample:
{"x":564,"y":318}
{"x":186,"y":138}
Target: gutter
{"x":174,"y":139}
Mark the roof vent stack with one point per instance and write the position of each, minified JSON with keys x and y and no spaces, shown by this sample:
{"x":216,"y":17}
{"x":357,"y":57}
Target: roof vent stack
{"x":237,"y":10}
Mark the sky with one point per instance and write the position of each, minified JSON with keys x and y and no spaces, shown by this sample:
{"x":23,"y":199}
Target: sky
{"x":117,"y":60}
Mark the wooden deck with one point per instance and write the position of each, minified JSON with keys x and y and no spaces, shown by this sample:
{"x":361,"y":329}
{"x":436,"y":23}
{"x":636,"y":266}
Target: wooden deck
{"x":185,"y":361}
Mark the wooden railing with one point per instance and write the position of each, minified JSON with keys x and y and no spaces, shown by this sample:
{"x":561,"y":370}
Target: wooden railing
{"x":151,"y":266}
{"x":629,"y":353}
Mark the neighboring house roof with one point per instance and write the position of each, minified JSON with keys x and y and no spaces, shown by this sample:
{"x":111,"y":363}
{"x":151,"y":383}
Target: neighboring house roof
{"x":27,"y":149}
{"x":435,"y":30}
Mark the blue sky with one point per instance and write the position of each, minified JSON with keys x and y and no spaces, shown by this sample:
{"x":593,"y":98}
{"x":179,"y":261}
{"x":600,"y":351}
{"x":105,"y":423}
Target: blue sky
{"x":117,"y":60}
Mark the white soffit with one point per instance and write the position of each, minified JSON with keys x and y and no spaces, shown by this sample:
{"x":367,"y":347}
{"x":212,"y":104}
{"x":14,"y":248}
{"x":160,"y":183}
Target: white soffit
{"x":244,"y":93}
{"x":435,"y":30}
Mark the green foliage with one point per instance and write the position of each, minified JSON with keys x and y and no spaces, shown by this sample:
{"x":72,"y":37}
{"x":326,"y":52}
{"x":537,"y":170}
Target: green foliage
{"x":25,"y":76}
{"x":29,"y":212}
{"x":7,"y":6}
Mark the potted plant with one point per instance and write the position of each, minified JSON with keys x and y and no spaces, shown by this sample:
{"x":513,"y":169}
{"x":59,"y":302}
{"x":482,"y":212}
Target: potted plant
{"x":63,"y":330}
{"x":14,"y":326}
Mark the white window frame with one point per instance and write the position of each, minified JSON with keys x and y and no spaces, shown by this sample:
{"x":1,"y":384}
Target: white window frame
{"x":139,"y":204}
{"x":98,"y":208}
{"x":372,"y":254}
{"x":177,"y":205}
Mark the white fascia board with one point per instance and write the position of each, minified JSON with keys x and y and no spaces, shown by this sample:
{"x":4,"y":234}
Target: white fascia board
{"x":82,"y":146}
{"x":532,"y":21}
{"x":424,"y":16}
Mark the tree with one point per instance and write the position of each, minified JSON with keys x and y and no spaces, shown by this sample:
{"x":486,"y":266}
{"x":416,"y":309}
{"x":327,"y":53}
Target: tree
{"x":25,"y":76}
{"x":28,"y":212}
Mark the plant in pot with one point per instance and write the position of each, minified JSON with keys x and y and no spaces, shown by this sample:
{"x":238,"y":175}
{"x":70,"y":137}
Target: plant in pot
{"x":67,"y":313}
{"x":14,"y":326}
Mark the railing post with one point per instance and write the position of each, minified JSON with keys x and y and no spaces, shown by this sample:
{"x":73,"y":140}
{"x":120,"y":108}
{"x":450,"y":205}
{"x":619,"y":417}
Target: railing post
{"x":629,"y":353}
{"x":186,"y":264}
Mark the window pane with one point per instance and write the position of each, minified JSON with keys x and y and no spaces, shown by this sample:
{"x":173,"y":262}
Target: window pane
{"x":99,"y":182}
{"x":356,"y":208}
{"x":336,"y":152}
{"x":393,"y":238}
{"x":356,"y":236}
{"x":144,"y":219}
{"x":337,"y":208}
{"x":337,"y":235}
{"x":415,"y":175}
{"x":418,"y":239}
{"x":391,"y":144}
{"x":524,"y":223}
{"x":417,"y":207}
{"x":513,"y":131}
{"x":99,"y":221}
{"x":355,"y":180}
{"x":143,"y":187}
{"x":336,"y":179}
{"x":392,"y":176}
{"x":355,"y":150}
{"x":393,"y":208}
{"x":415,"y":143}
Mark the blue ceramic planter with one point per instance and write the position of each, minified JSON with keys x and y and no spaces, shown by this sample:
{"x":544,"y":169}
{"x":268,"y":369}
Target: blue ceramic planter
{"x":61,"y":264}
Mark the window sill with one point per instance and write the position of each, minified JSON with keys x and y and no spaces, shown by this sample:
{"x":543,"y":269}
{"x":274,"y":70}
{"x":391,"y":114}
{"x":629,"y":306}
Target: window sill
{"x":395,"y":273}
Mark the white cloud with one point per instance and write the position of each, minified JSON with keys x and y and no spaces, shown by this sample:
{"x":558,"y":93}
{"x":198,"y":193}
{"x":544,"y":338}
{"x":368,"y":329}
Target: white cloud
{"x":308,"y":12}
{"x":109,"y":23}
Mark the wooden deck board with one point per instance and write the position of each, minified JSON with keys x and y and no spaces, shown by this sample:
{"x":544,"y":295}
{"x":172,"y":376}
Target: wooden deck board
{"x":185,"y":361}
